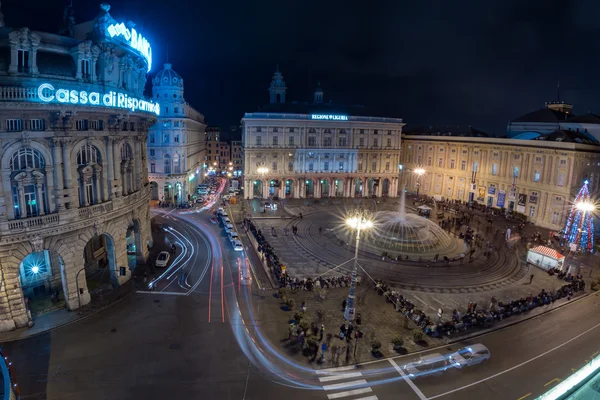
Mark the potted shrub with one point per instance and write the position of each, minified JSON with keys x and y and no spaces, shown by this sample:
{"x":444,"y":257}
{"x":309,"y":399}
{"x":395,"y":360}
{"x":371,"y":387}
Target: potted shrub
{"x":397,"y":341}
{"x":298,"y":317}
{"x":417,"y":335}
{"x":281,"y":293}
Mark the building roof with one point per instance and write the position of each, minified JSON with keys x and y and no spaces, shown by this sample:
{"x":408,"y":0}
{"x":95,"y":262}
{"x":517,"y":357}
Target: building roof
{"x":167,"y":77}
{"x":544,"y":115}
{"x":566,"y":135}
{"x":458,"y":130}
{"x":547,"y":251}
{"x":588,"y":118}
{"x":320,"y":108}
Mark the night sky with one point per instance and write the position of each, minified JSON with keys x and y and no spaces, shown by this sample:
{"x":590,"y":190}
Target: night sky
{"x":478,"y":63}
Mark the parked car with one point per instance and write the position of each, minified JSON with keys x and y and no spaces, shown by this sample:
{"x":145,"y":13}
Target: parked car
{"x":163,"y":259}
{"x":224,"y":215}
{"x":233,"y":236}
{"x":237,"y":245}
{"x":267,"y":205}
{"x":469,"y":355}
{"x":226,"y":220}
{"x":228,"y":228}
{"x":226,"y":197}
{"x":429,"y":364}
{"x":220,"y":210}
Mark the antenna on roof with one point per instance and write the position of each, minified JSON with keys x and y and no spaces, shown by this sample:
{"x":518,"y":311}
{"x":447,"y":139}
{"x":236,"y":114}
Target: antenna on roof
{"x":558,"y":91}
{"x":167,"y":54}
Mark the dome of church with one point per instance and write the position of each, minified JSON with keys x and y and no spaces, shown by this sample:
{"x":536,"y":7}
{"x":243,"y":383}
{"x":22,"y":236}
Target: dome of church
{"x":168,"y":78}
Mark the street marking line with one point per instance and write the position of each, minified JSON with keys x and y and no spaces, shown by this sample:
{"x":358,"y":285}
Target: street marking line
{"x":516,"y":366}
{"x":552,"y":381}
{"x":527,"y":395}
{"x":595,"y":354}
{"x":165,"y":293}
{"x":407,"y":380}
{"x":349,"y":393}
{"x":345,"y":384}
{"x":573,"y":370}
{"x":333,"y":370}
{"x":340,"y":376}
{"x":368,"y":398}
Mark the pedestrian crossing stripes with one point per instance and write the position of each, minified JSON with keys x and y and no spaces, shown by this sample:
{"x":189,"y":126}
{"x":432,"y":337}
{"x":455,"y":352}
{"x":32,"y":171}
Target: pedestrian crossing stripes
{"x":354,"y":386}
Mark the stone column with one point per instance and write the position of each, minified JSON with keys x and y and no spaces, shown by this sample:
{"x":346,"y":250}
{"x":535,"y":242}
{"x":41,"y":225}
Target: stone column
{"x":22,"y":204}
{"x":84,"y":194}
{"x":110,"y":165}
{"x":380,"y":187}
{"x":40,"y":198}
{"x":317,"y":188}
{"x":117,"y":167}
{"x":58,"y":176}
{"x":137,"y":154}
{"x":67,"y":170}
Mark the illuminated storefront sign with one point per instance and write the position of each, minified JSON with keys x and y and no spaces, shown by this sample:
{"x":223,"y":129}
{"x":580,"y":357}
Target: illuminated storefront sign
{"x":133,"y":39}
{"x":329,"y":117}
{"x":47,"y":93}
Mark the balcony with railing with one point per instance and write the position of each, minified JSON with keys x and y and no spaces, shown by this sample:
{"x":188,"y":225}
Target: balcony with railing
{"x":33,"y":223}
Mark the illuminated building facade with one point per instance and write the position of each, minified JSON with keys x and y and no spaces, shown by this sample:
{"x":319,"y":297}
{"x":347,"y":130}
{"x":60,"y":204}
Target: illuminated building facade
{"x":74,"y":198}
{"x":315,"y":150}
{"x":237,"y":157}
{"x":537,"y":178}
{"x":175,"y":143}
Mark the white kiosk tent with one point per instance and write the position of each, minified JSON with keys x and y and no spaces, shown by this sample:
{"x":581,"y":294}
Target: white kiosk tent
{"x":545,"y":258}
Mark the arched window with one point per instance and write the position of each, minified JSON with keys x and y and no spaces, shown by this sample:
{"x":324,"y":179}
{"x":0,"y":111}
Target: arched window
{"x":88,"y":154}
{"x":167,"y":160}
{"x":90,"y":175}
{"x":176,"y":164}
{"x":28,"y":182}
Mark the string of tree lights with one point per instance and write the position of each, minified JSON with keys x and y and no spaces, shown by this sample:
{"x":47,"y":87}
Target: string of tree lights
{"x":579,"y":228}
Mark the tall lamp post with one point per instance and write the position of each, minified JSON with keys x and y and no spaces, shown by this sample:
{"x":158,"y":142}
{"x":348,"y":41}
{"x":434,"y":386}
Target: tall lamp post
{"x":359,"y":220}
{"x":419,"y":172}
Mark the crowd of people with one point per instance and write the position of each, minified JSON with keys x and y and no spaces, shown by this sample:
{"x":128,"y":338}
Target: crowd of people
{"x":474,"y":316}
{"x":317,"y":283}
{"x":265,"y":249}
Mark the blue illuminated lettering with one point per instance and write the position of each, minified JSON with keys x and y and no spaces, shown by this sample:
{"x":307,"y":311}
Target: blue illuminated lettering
{"x":329,"y":117}
{"x":133,"y":39}
{"x":47,"y":93}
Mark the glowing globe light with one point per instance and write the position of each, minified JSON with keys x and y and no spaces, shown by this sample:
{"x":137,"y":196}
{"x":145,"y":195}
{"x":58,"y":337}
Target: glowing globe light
{"x":35,"y":269}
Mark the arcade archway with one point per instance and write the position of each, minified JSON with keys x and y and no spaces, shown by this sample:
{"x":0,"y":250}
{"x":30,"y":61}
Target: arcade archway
{"x":325,"y":187}
{"x":310,"y":188}
{"x":385,"y":187}
{"x":154,"y":190}
{"x":41,"y":281}
{"x":289,"y":188}
{"x":358,"y":187}
{"x":134,"y":245}
{"x":257,"y":189}
{"x":99,"y":256}
{"x":371,"y":186}
{"x":339,"y":188}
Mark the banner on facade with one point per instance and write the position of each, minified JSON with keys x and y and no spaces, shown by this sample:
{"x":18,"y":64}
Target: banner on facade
{"x":521,"y":203}
{"x":481,"y":194}
{"x":492,"y":190}
{"x":533,"y":199}
{"x":512,"y":194}
{"x":501,"y":195}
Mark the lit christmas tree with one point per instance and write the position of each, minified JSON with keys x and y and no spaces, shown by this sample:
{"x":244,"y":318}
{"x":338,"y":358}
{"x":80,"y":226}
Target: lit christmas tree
{"x":579,"y":228}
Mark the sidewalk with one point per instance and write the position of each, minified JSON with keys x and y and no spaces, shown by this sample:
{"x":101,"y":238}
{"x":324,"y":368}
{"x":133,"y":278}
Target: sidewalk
{"x":61,"y":317}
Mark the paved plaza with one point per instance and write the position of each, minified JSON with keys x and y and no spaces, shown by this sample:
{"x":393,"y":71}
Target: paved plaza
{"x":315,"y":250}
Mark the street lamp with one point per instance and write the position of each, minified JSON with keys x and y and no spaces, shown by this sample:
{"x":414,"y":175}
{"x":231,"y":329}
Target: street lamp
{"x":419,"y":172}
{"x":359,"y":219}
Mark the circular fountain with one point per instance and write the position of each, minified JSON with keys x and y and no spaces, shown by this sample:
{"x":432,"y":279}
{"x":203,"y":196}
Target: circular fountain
{"x":400,"y":233}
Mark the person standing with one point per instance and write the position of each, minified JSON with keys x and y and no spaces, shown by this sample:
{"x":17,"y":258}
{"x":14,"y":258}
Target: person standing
{"x":531,"y":279}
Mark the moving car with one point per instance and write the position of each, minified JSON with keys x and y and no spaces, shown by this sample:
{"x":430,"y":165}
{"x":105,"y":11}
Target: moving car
{"x":426,"y":365}
{"x":469,"y":355}
{"x":233,"y":236}
{"x":214,"y":220}
{"x":237,"y":245}
{"x":163,"y":259}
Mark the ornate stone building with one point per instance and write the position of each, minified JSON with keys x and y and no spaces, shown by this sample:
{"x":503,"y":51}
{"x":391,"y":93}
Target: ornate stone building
{"x":74,"y":198}
{"x":318,"y":149}
{"x":176,"y":143}
{"x":537,"y":178}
